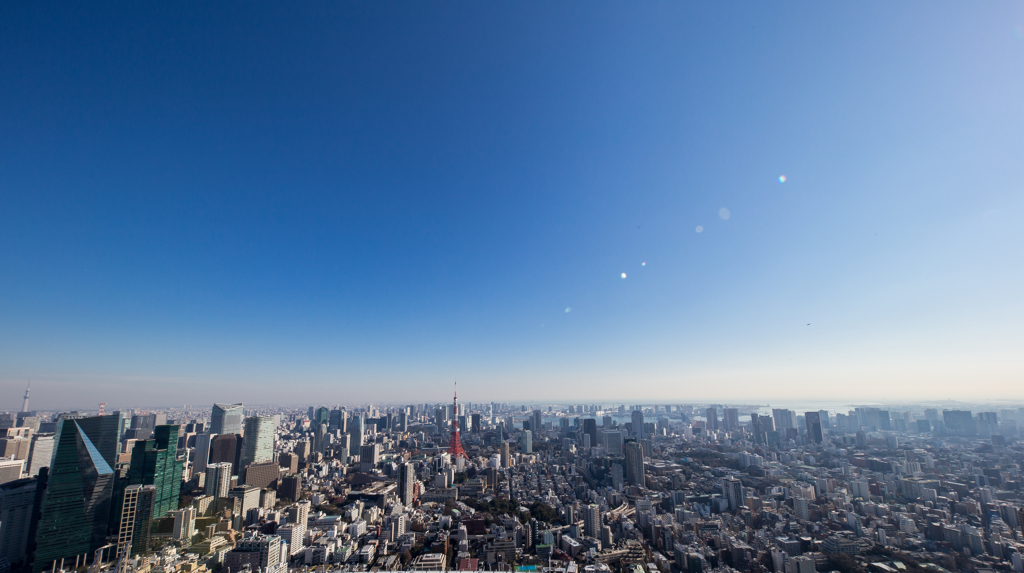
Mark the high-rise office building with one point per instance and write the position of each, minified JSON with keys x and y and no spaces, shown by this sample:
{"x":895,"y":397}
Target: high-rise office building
{"x":731,"y":419}
{"x":339,"y":421}
{"x":184,"y":525}
{"x":504,"y":456}
{"x":323,"y":416}
{"x":826,"y":423}
{"x":226,"y":448}
{"x":357,"y":431}
{"x":369,"y":455}
{"x":591,"y":520}
{"x":201,"y":452}
{"x":527,"y":442}
{"x":73,"y":518}
{"x":155,"y":462}
{"x":635,"y":463}
{"x":135,"y":519}
{"x":711,"y":414}
{"x":784,"y":419}
{"x":258,"y":441}
{"x":959,"y":422}
{"x":536,"y":421}
{"x":17,"y":505}
{"x":732,"y":490}
{"x":637,"y":423}
{"x":590,"y":428}
{"x":813,"y":421}
{"x":218,"y":479}
{"x":105,"y":434}
{"x":406,"y":477}
{"x":226,"y":419}
{"x":475,"y":421}
{"x":612,"y":441}
{"x":290,"y":488}
{"x":298,"y":515}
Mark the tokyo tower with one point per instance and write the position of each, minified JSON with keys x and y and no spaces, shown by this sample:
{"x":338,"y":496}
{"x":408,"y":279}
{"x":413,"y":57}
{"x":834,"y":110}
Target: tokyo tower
{"x":455,"y":444}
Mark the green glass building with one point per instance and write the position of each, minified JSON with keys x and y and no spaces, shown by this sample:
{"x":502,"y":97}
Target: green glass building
{"x":155,"y":462}
{"x":75,"y":507}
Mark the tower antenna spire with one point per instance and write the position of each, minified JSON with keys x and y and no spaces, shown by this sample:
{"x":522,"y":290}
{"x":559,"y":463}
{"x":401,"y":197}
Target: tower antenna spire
{"x":24,"y":403}
{"x":454,"y":443}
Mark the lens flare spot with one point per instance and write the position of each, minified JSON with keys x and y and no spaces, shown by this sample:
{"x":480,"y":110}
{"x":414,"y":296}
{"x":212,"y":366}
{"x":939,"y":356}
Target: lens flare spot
{"x":724,"y":213}
{"x":643,"y":264}
{"x":782,"y":178}
{"x":700,"y":228}
{"x":568,"y":309}
{"x":623,"y":275}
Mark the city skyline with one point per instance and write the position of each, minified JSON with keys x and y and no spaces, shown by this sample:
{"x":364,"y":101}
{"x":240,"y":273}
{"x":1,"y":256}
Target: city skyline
{"x":638,"y":203}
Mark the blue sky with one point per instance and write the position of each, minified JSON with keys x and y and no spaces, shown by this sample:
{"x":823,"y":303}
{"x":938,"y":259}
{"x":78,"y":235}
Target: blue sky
{"x":346,"y":202}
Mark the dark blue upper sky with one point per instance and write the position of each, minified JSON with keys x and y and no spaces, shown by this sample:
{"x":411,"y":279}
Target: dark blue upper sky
{"x":359,"y":201}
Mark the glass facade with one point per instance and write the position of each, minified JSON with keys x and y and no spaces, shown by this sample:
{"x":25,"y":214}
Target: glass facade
{"x":76,"y":504}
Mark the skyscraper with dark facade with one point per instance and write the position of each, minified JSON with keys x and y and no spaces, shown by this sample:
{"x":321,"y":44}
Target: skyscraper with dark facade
{"x":75,"y":507}
{"x":814,"y":432}
{"x":105,"y":433}
{"x":226,"y":448}
{"x":590,"y":428}
{"x":635,"y":463}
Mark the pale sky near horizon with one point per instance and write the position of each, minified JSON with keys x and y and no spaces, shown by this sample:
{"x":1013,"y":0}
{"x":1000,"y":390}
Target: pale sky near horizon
{"x":353,"y":202}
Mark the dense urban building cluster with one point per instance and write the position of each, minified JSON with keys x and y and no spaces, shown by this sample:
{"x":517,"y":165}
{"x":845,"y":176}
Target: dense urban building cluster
{"x":496,"y":486}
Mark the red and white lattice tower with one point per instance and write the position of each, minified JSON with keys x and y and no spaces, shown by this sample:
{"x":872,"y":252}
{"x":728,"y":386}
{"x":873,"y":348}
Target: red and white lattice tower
{"x":103,"y":408}
{"x":455,"y":444}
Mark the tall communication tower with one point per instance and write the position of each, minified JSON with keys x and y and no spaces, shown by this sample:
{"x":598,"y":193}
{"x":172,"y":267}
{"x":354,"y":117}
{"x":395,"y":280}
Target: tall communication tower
{"x":455,"y":444}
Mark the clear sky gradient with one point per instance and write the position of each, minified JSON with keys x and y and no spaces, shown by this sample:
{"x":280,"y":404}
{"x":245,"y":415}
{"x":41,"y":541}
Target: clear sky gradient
{"x":346,"y":202}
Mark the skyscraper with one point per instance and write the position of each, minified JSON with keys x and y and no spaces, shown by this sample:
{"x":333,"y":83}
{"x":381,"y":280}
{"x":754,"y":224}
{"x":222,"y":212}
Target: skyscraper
{"x":813,"y":421}
{"x":536,"y":421}
{"x":135,"y":518}
{"x":226,"y":448}
{"x":258,"y":442}
{"x":527,"y":442}
{"x":635,"y":463}
{"x":406,"y":477}
{"x":201,"y":453}
{"x":732,"y":490}
{"x":357,"y":431}
{"x":638,"y":424}
{"x":155,"y":462}
{"x":591,"y":520}
{"x":17,"y":505}
{"x":218,"y":479}
{"x":105,"y":434}
{"x":590,"y":428}
{"x":712,"y":418}
{"x":339,"y":420}
{"x":731,"y":419}
{"x":75,"y":508}
{"x":613,"y":442}
{"x":323,"y":415}
{"x":226,"y":419}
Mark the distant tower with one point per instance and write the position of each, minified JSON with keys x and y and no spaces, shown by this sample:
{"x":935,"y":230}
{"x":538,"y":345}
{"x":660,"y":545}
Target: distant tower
{"x":24,"y":403}
{"x":455,"y":445}
{"x":103,"y":408}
